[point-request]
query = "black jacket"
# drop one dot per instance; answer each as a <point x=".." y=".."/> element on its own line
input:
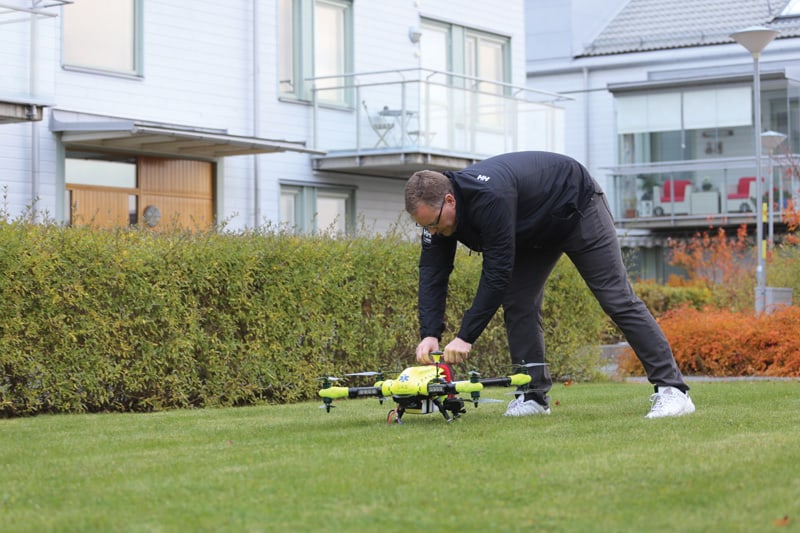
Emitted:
<point x="505" y="203"/>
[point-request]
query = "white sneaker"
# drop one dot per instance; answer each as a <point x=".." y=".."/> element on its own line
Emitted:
<point x="519" y="407"/>
<point x="669" y="401"/>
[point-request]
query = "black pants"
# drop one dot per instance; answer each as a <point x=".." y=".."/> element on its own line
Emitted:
<point x="594" y="250"/>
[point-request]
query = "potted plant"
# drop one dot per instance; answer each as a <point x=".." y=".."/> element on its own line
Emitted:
<point x="649" y="182"/>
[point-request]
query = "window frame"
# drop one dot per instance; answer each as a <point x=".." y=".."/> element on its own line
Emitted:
<point x="302" y="39"/>
<point x="304" y="197"/>
<point x="136" y="70"/>
<point x="458" y="36"/>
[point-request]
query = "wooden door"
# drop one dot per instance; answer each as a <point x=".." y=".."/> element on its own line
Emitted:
<point x="179" y="193"/>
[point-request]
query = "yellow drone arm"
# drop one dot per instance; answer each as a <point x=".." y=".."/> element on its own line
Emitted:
<point x="334" y="393"/>
<point x="468" y="386"/>
<point x="519" y="380"/>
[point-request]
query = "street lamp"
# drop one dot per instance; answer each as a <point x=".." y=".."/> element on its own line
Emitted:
<point x="755" y="39"/>
<point x="771" y="140"/>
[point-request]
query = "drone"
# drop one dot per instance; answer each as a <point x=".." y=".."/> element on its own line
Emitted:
<point x="424" y="389"/>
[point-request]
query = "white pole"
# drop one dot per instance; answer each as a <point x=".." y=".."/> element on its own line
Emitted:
<point x="761" y="268"/>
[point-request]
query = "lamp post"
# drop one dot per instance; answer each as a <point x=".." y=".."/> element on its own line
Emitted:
<point x="755" y="39"/>
<point x="771" y="140"/>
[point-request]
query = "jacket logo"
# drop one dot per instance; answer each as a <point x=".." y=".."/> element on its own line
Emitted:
<point x="426" y="236"/>
<point x="481" y="177"/>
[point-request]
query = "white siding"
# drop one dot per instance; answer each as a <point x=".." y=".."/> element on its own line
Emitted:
<point x="198" y="71"/>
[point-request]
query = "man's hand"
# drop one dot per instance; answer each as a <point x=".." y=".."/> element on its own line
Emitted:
<point x="456" y="351"/>
<point x="424" y="349"/>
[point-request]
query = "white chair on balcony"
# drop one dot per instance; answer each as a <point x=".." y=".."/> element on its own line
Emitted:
<point x="380" y="125"/>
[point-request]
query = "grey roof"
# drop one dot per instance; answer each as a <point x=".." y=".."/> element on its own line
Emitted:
<point x="645" y="25"/>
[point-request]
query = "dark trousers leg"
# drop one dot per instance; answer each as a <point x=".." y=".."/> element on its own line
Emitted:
<point x="522" y="314"/>
<point x="594" y="249"/>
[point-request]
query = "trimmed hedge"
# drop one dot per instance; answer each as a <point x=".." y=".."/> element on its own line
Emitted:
<point x="661" y="298"/>
<point x="130" y="320"/>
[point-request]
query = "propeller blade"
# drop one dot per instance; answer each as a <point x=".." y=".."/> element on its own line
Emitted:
<point x="530" y="365"/>
<point x="518" y="392"/>
<point x="363" y="374"/>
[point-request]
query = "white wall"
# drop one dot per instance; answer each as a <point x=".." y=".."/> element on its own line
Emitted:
<point x="199" y="71"/>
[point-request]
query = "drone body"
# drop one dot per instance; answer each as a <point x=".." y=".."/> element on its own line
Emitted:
<point x="423" y="390"/>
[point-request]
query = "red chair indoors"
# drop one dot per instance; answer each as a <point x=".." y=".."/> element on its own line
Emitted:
<point x="665" y="203"/>
<point x="743" y="199"/>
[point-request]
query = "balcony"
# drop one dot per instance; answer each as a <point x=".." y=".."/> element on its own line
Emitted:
<point x="19" y="86"/>
<point x="393" y="123"/>
<point x="701" y="193"/>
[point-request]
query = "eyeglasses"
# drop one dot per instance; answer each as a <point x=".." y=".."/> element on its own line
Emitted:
<point x="435" y="222"/>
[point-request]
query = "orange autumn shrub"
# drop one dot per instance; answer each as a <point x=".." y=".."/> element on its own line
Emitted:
<point x="713" y="342"/>
<point x="720" y="262"/>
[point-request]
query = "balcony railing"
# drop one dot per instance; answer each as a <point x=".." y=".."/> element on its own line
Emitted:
<point x="701" y="192"/>
<point x="432" y="111"/>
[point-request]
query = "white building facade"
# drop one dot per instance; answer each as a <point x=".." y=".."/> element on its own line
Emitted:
<point x="662" y="101"/>
<point x="299" y="114"/>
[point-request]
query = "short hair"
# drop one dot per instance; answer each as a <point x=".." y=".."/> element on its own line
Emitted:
<point x="426" y="187"/>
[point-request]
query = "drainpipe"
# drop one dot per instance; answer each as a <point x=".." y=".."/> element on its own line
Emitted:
<point x="33" y="89"/>
<point x="586" y="107"/>
<point x="256" y="118"/>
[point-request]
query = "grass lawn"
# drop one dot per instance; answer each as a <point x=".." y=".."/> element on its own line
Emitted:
<point x="595" y="464"/>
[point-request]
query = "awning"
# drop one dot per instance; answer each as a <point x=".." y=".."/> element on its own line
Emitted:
<point x="81" y="131"/>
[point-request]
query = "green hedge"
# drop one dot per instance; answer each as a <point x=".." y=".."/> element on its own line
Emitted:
<point x="661" y="298"/>
<point x="129" y="320"/>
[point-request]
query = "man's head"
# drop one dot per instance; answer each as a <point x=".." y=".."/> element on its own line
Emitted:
<point x="430" y="201"/>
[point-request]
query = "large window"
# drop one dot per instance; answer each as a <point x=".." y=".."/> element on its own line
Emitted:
<point x="327" y="210"/>
<point x="103" y="35"/>
<point x="480" y="62"/>
<point x="461" y="50"/>
<point x="315" y="41"/>
<point x="699" y="139"/>
<point x="684" y="125"/>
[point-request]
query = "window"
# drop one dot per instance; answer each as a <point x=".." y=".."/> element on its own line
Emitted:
<point x="327" y="210"/>
<point x="103" y="35"/>
<point x="101" y="193"/>
<point x="684" y="125"/>
<point x="465" y="51"/>
<point x="315" y="41"/>
<point x="482" y="58"/>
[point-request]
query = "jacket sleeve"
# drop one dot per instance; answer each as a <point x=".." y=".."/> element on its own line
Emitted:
<point x="496" y="217"/>
<point x="435" y="265"/>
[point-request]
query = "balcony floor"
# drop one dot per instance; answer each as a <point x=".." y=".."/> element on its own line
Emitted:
<point x="397" y="163"/>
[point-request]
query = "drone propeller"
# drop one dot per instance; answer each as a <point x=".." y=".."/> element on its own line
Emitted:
<point x="370" y="373"/>
<point x="523" y="390"/>
<point x="529" y="365"/>
<point x="488" y="400"/>
<point x="326" y="384"/>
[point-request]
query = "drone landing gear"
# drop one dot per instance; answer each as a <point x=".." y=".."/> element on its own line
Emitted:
<point x="453" y="405"/>
<point x="451" y="409"/>
<point x="395" y="416"/>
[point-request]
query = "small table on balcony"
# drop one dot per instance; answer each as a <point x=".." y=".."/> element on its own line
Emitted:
<point x="402" y="118"/>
